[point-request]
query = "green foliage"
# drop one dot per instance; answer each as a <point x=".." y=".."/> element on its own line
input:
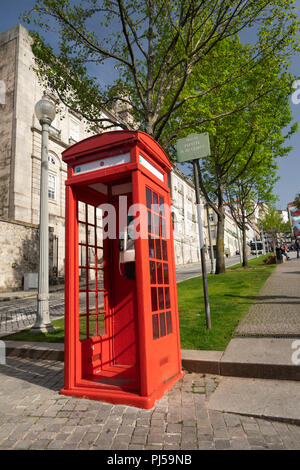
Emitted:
<point x="272" y="222"/>
<point x="297" y="200"/>
<point x="154" y="46"/>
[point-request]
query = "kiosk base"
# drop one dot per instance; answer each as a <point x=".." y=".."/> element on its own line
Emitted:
<point x="115" y="395"/>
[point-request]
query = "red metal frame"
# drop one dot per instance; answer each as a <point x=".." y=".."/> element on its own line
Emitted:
<point x="137" y="359"/>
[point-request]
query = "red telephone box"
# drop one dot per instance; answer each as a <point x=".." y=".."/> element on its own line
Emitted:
<point x="122" y="340"/>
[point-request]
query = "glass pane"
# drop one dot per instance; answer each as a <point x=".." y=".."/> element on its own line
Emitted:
<point x="82" y="279"/>
<point x="151" y="247"/>
<point x="92" y="302"/>
<point x="92" y="325"/>
<point x="155" y="199"/>
<point x="148" y="198"/>
<point x="157" y="248"/>
<point x="82" y="328"/>
<point x="149" y="222"/>
<point x="152" y="273"/>
<point x="99" y="217"/>
<point x="159" y="273"/>
<point x="162" y="227"/>
<point x="82" y="233"/>
<point x="100" y="280"/>
<point x="82" y="302"/>
<point x="164" y="250"/>
<point x="161" y="302"/>
<point x="169" y="323"/>
<point x="156" y="225"/>
<point x="154" y="299"/>
<point x="91" y="235"/>
<point x="101" y="325"/>
<point x="99" y="257"/>
<point x="166" y="273"/>
<point x="161" y="205"/>
<point x="167" y="297"/>
<point x="162" y="325"/>
<point x="81" y="211"/>
<point x="82" y="255"/>
<point x="91" y="214"/>
<point x="91" y="280"/>
<point x="155" y="326"/>
<point x="91" y="256"/>
<point x="99" y="235"/>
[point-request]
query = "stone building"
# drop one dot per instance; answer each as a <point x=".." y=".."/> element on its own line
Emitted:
<point x="20" y="150"/>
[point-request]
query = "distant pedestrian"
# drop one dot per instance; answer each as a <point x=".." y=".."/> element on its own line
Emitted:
<point x="297" y="248"/>
<point x="227" y="253"/>
<point x="284" y="251"/>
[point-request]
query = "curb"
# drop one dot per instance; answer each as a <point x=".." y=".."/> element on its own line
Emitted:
<point x="204" y="362"/>
<point x="39" y="351"/>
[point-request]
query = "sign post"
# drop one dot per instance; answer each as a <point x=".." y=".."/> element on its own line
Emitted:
<point x="193" y="147"/>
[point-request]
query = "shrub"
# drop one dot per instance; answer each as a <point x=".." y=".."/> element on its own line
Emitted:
<point x="271" y="259"/>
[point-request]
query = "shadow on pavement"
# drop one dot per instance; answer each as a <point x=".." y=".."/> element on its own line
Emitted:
<point x="263" y="298"/>
<point x="46" y="374"/>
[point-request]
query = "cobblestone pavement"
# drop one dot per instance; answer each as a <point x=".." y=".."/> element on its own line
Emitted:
<point x="276" y="311"/>
<point x="34" y="416"/>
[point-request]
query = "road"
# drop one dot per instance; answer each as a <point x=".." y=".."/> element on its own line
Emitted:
<point x="193" y="270"/>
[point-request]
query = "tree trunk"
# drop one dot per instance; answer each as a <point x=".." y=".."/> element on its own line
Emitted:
<point x="245" y="254"/>
<point x="220" y="259"/>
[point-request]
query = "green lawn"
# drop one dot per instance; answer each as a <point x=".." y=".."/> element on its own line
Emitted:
<point x="230" y="295"/>
<point x="57" y="337"/>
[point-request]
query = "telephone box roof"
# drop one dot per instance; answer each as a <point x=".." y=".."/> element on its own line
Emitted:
<point x="115" y="139"/>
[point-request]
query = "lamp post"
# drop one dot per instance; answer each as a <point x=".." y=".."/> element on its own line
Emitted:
<point x="45" y="112"/>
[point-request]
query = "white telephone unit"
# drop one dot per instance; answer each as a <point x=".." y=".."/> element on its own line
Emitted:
<point x="127" y="251"/>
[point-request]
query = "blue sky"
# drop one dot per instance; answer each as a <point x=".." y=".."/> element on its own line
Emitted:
<point x="289" y="167"/>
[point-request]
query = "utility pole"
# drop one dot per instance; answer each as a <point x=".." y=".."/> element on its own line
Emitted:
<point x="191" y="148"/>
<point x="202" y="251"/>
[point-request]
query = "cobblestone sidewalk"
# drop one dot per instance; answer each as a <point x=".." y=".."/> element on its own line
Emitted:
<point x="276" y="311"/>
<point x="34" y="416"/>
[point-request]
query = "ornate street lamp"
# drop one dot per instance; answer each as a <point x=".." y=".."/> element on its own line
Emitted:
<point x="45" y="112"/>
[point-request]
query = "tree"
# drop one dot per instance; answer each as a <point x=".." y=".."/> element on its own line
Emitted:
<point x="154" y="46"/>
<point x="246" y="140"/>
<point x="273" y="224"/>
<point x="297" y="200"/>
<point x="246" y="196"/>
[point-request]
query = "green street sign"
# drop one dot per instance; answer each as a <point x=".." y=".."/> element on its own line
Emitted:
<point x="193" y="146"/>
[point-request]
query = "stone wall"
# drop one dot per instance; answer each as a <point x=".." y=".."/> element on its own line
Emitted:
<point x="8" y="47"/>
<point x="18" y="252"/>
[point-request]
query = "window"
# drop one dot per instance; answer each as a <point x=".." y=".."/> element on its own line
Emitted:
<point x="159" y="266"/>
<point x="51" y="186"/>
<point x="74" y="130"/>
<point x="92" y="295"/>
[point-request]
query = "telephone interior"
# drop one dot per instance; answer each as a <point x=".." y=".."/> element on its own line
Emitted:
<point x="127" y="251"/>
